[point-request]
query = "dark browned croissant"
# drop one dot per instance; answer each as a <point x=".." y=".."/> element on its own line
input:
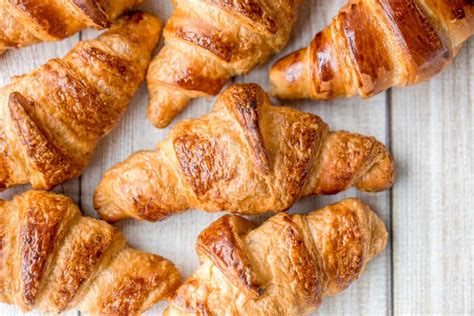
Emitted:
<point x="26" y="22"/>
<point x="52" y="118"/>
<point x="54" y="259"/>
<point x="247" y="157"/>
<point x="373" y="45"/>
<point x="208" y="42"/>
<point x="284" y="267"/>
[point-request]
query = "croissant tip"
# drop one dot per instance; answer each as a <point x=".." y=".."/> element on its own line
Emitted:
<point x="164" y="105"/>
<point x="381" y="176"/>
<point x="102" y="206"/>
<point x="289" y="76"/>
<point x="157" y="119"/>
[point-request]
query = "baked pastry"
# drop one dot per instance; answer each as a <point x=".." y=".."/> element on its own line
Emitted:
<point x="54" y="259"/>
<point x="246" y="157"/>
<point x="207" y="43"/>
<point x="23" y="23"/>
<point x="284" y="267"/>
<point x="52" y="118"/>
<point x="371" y="46"/>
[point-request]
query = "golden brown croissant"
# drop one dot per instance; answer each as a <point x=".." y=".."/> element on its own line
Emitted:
<point x="374" y="45"/>
<point x="54" y="259"/>
<point x="247" y="157"/>
<point x="210" y="41"/>
<point x="284" y="267"/>
<point x="23" y="23"/>
<point x="52" y="119"/>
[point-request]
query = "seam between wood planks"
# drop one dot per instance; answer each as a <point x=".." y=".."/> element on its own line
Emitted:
<point x="388" y="104"/>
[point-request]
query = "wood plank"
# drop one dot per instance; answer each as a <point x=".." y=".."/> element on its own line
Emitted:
<point x="20" y="62"/>
<point x="433" y="216"/>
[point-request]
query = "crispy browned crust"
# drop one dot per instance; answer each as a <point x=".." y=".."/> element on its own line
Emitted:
<point x="230" y="36"/>
<point x="26" y="22"/>
<point x="53" y="259"/>
<point x="297" y="260"/>
<point x="94" y="11"/>
<point x="373" y="45"/>
<point x="53" y="117"/>
<point x="222" y="242"/>
<point x="247" y="157"/>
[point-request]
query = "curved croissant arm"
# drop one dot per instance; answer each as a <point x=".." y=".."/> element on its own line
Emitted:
<point x="247" y="157"/>
<point x="284" y="267"/>
<point x="23" y="23"/>
<point x="54" y="259"/>
<point x="373" y="45"/>
<point x="208" y="42"/>
<point x="52" y="118"/>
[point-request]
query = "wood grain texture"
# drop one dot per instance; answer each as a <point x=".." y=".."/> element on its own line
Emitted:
<point x="430" y="129"/>
<point x="433" y="142"/>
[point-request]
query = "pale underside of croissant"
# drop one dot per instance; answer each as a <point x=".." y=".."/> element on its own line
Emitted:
<point x="54" y="259"/>
<point x="373" y="45"/>
<point x="210" y="41"/>
<point x="247" y="157"/>
<point x="23" y="23"/>
<point x="52" y="118"/>
<point x="284" y="267"/>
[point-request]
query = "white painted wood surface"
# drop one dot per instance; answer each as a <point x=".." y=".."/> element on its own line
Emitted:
<point x="428" y="265"/>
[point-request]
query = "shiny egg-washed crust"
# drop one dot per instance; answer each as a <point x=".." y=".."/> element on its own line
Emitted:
<point x="54" y="259"/>
<point x="207" y="42"/>
<point x="26" y="22"/>
<point x="373" y="45"/>
<point x="52" y="118"/>
<point x="246" y="157"/>
<point x="284" y="267"/>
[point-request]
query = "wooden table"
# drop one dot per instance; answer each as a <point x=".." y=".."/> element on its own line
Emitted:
<point x="428" y="266"/>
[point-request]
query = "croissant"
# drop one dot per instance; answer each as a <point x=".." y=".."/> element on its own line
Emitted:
<point x="207" y="43"/>
<point x="372" y="46"/>
<point x="54" y="259"/>
<point x="23" y="23"/>
<point x="246" y="157"/>
<point x="52" y="119"/>
<point x="284" y="267"/>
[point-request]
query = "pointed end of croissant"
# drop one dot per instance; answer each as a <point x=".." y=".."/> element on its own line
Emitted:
<point x="381" y="176"/>
<point x="290" y="78"/>
<point x="131" y="284"/>
<point x="132" y="189"/>
<point x="164" y="105"/>
<point x="106" y="207"/>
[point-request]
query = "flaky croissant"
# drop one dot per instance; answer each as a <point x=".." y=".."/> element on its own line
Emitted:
<point x="374" y="45"/>
<point x="284" y="267"/>
<point x="23" y="23"/>
<point x="246" y="157"/>
<point x="208" y="42"/>
<point x="54" y="259"/>
<point x="52" y="119"/>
